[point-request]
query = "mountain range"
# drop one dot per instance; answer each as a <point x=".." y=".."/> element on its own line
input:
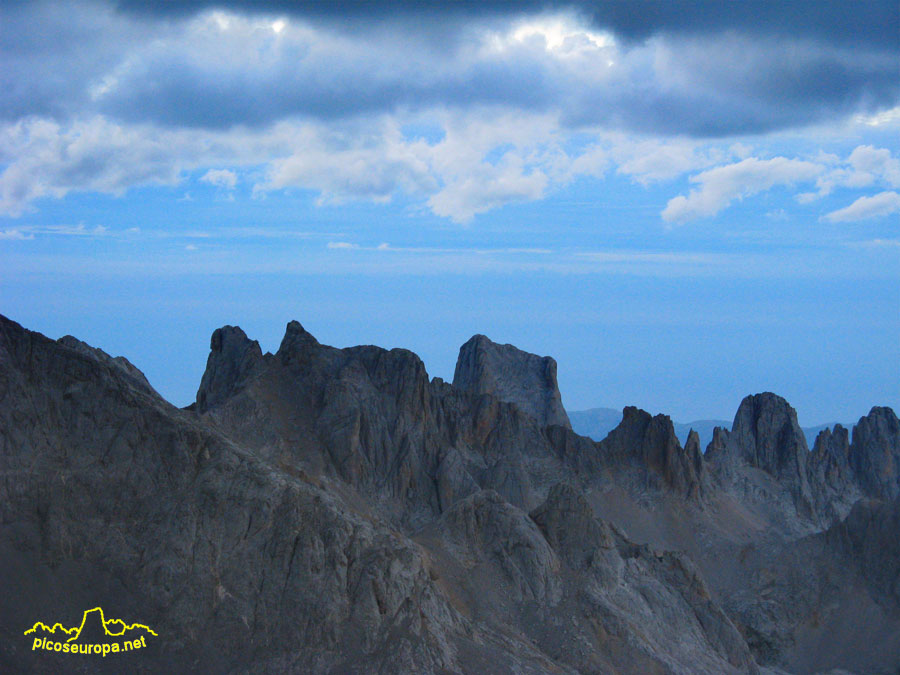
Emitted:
<point x="325" y="510"/>
<point x="596" y="423"/>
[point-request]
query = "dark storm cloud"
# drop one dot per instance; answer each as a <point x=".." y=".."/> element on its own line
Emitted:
<point x="173" y="91"/>
<point x="715" y="68"/>
<point x="48" y="54"/>
<point x="738" y="85"/>
<point x="873" y="22"/>
<point x="724" y="86"/>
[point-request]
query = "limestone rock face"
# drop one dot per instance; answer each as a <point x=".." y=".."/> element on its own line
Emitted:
<point x="122" y="500"/>
<point x="568" y="523"/>
<point x="487" y="528"/>
<point x="120" y="363"/>
<point x="868" y="537"/>
<point x="875" y="454"/>
<point x="510" y="374"/>
<point x="831" y="477"/>
<point x="650" y="443"/>
<point x="812" y="596"/>
<point x="841" y="472"/>
<point x="765" y="436"/>
<point x="333" y="510"/>
<point x="233" y="360"/>
<point x="632" y="596"/>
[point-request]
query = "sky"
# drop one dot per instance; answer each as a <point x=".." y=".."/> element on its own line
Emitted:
<point x="682" y="202"/>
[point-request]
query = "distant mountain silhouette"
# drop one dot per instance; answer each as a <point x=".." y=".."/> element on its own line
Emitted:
<point x="596" y="423"/>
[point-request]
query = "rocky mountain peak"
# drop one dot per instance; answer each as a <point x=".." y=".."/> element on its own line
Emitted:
<point x="512" y="375"/>
<point x="296" y="340"/>
<point x="233" y="359"/>
<point x="831" y="477"/>
<point x="337" y="511"/>
<point x="831" y="451"/>
<point x="767" y="435"/>
<point x="716" y="447"/>
<point x="875" y="453"/>
<point x="119" y="363"/>
<point x="650" y="442"/>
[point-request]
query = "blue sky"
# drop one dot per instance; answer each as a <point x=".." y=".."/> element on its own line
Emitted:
<point x="683" y="203"/>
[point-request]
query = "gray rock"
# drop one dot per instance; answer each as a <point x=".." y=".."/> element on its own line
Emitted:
<point x="831" y="476"/>
<point x="510" y="374"/>
<point x="765" y="435"/>
<point x="485" y="527"/>
<point x="121" y="365"/>
<point x="233" y="360"/>
<point x="875" y="453"/>
<point x="650" y="445"/>
<point x="334" y="510"/>
<point x="113" y="497"/>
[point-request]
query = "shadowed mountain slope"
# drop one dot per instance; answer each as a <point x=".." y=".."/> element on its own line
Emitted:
<point x="334" y="510"/>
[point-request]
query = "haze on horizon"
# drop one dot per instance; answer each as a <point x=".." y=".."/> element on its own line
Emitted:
<point x="682" y="202"/>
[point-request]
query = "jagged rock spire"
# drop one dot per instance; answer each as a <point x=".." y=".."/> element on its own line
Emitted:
<point x="233" y="358"/>
<point x="513" y="375"/>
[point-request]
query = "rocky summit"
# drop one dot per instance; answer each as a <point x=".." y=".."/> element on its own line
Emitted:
<point x="324" y="510"/>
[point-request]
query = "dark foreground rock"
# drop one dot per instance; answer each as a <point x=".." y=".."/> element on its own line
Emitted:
<point x="335" y="510"/>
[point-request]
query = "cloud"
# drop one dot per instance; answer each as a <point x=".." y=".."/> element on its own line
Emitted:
<point x="880" y="119"/>
<point x="221" y="178"/>
<point x="80" y="230"/>
<point x="653" y="160"/>
<point x="488" y="189"/>
<point x="875" y="243"/>
<point x="15" y="235"/>
<point x="881" y="205"/>
<point x="48" y="160"/>
<point x="352" y="164"/>
<point x="484" y="160"/>
<point x="864" y="167"/>
<point x="726" y="70"/>
<point x="341" y="245"/>
<point x="481" y="160"/>
<point x="833" y="20"/>
<point x="722" y="185"/>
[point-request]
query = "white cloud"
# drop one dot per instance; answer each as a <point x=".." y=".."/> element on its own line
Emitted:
<point x="221" y="178"/>
<point x="873" y="164"/>
<point x="352" y="164"/>
<point x="880" y="119"/>
<point x="482" y="160"/>
<point x="95" y="155"/>
<point x="16" y="235"/>
<point x="875" y="243"/>
<point x="881" y="205"/>
<point x="488" y="189"/>
<point x="80" y="230"/>
<point x="722" y="185"/>
<point x="342" y="245"/>
<point x="864" y="167"/>
<point x="654" y="159"/>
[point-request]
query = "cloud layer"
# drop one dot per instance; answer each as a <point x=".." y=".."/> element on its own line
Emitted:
<point x="466" y="106"/>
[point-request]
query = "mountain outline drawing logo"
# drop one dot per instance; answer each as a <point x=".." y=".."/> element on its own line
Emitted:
<point x="94" y="635"/>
